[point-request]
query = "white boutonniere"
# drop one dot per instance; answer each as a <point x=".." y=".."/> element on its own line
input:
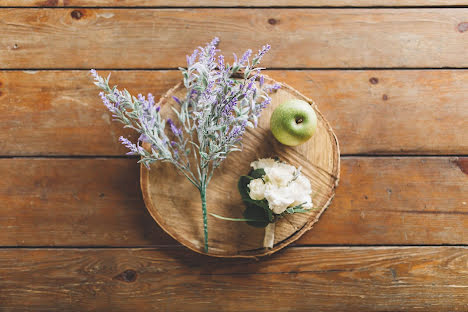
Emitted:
<point x="272" y="190"/>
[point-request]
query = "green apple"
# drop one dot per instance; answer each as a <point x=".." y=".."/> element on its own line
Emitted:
<point x="293" y="122"/>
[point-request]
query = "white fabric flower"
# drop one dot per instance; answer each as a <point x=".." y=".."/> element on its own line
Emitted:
<point x="263" y="163"/>
<point x="280" y="174"/>
<point x="277" y="172"/>
<point x="279" y="198"/>
<point x="257" y="189"/>
<point x="302" y="191"/>
<point x="283" y="187"/>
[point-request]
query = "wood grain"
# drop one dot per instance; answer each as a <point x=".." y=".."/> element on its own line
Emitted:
<point x="79" y="202"/>
<point x="319" y="159"/>
<point x="301" y="38"/>
<point x="97" y="202"/>
<point x="372" y="112"/>
<point x="227" y="3"/>
<point x="297" y="279"/>
<point x="393" y="201"/>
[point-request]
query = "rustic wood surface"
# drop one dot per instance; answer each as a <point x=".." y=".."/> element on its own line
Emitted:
<point x="226" y="3"/>
<point x="297" y="279"/>
<point x="75" y="234"/>
<point x="151" y="38"/>
<point x="371" y="111"/>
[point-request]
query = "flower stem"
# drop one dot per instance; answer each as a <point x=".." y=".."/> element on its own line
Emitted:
<point x="205" y="218"/>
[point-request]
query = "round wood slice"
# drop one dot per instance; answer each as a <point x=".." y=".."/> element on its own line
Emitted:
<point x="176" y="206"/>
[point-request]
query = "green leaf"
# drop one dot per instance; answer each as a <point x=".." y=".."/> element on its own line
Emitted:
<point x="268" y="212"/>
<point x="255" y="209"/>
<point x="256" y="213"/>
<point x="301" y="210"/>
<point x="295" y="209"/>
<point x="243" y="188"/>
<point x="257" y="173"/>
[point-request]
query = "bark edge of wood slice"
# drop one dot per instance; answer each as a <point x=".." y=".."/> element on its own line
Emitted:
<point x="175" y="203"/>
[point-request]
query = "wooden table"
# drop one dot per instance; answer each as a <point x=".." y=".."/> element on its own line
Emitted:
<point x="392" y="81"/>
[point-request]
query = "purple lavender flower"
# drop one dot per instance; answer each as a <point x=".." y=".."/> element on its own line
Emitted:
<point x="94" y="74"/>
<point x="143" y="102"/>
<point x="214" y="42"/>
<point x="208" y="91"/>
<point x="177" y="100"/>
<point x="193" y="94"/>
<point x="265" y="103"/>
<point x="272" y="88"/>
<point x="134" y="150"/>
<point x="117" y="98"/>
<point x="143" y="138"/>
<point x="177" y="132"/>
<point x="237" y="132"/>
<point x="191" y="59"/>
<point x="228" y="107"/>
<point x="262" y="81"/>
<point x="245" y="57"/>
<point x="158" y="109"/>
<point x="221" y="62"/>
<point x="150" y="99"/>
<point x="210" y="51"/>
<point x="261" y="53"/>
<point x="107" y="103"/>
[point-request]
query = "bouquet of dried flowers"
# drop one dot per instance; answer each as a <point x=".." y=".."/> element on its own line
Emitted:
<point x="221" y="101"/>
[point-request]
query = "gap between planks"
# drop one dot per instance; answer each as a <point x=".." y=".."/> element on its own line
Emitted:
<point x="349" y="7"/>
<point x="175" y="247"/>
<point x="136" y="157"/>
<point x="156" y="69"/>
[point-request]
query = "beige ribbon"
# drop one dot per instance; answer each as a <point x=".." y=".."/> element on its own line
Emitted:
<point x="269" y="238"/>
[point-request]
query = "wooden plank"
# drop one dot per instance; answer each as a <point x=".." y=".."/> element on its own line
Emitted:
<point x="160" y="38"/>
<point x="63" y="108"/>
<point x="81" y="202"/>
<point x="397" y="201"/>
<point x="299" y="279"/>
<point x="226" y="3"/>
<point x="372" y="112"/>
<point x="97" y="202"/>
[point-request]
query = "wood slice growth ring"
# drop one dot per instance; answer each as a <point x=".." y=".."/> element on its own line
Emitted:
<point x="176" y="206"/>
